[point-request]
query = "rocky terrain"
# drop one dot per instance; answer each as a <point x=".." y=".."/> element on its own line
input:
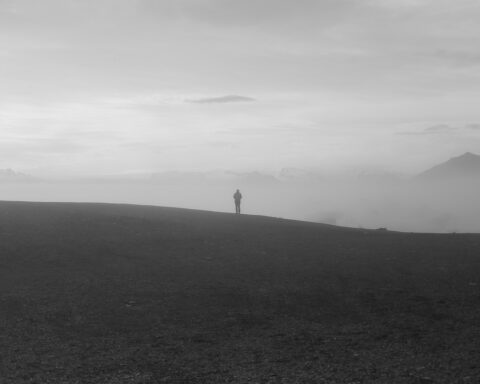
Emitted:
<point x="97" y="293"/>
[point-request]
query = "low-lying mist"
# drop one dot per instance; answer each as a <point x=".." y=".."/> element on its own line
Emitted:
<point x="403" y="205"/>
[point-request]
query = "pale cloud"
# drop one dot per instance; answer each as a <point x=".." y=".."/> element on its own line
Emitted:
<point x="222" y="99"/>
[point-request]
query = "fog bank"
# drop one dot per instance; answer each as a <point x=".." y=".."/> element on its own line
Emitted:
<point x="403" y="205"/>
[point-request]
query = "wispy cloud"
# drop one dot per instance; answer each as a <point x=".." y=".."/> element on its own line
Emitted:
<point x="473" y="126"/>
<point x="433" y="130"/>
<point x="222" y="144"/>
<point x="222" y="99"/>
<point x="464" y="58"/>
<point x="439" y="128"/>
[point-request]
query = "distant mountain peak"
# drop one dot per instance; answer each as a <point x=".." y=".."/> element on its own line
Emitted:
<point x="466" y="155"/>
<point x="466" y="166"/>
<point x="466" y="158"/>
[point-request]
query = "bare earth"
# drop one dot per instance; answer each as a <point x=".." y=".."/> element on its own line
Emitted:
<point x="97" y="293"/>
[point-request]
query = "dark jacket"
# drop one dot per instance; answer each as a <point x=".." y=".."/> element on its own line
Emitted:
<point x="237" y="196"/>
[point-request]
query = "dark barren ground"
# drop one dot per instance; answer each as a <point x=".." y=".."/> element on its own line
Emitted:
<point x="94" y="293"/>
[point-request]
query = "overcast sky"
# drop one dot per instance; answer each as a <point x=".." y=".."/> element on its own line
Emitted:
<point x="117" y="86"/>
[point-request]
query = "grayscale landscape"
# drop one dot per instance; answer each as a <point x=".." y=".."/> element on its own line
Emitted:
<point x="239" y="191"/>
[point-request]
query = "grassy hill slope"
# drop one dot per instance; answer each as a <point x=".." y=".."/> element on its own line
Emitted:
<point x="103" y="293"/>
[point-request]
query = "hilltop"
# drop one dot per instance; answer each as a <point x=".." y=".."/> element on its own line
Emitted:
<point x="103" y="293"/>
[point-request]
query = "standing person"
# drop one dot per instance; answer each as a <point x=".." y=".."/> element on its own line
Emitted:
<point x="238" y="198"/>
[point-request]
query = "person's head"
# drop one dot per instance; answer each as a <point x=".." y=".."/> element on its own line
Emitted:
<point x="238" y="190"/>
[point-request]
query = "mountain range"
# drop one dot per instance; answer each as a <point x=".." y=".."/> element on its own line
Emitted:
<point x="464" y="167"/>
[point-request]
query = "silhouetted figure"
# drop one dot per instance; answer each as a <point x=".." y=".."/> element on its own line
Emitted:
<point x="238" y="198"/>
